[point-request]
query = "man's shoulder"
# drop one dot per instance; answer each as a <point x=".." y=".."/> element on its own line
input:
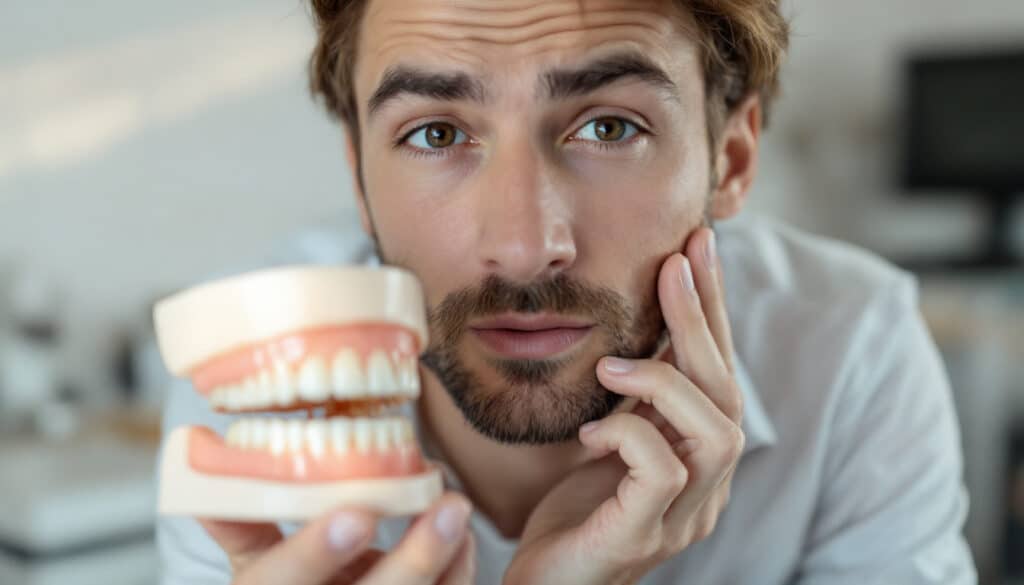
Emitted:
<point x="847" y="375"/>
<point x="767" y="258"/>
<point x="808" y="311"/>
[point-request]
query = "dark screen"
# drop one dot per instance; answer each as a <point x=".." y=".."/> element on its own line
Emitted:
<point x="966" y="122"/>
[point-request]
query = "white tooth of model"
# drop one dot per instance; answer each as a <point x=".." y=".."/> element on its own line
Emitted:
<point x="277" y="439"/>
<point x="259" y="433"/>
<point x="231" y="437"/>
<point x="347" y="374"/>
<point x="316" y="433"/>
<point x="410" y="376"/>
<point x="341" y="431"/>
<point x="382" y="436"/>
<point x="233" y="397"/>
<point x="313" y="379"/>
<point x="380" y="376"/>
<point x="264" y="395"/>
<point x="284" y="384"/>
<point x="295" y="436"/>
<point x="363" y="435"/>
<point x="397" y="433"/>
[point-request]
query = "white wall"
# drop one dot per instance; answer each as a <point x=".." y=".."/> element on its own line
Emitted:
<point x="144" y="145"/>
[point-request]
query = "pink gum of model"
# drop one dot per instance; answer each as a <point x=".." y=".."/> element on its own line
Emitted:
<point x="340" y="340"/>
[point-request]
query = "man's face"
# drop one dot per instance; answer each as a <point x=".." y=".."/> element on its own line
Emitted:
<point x="533" y="164"/>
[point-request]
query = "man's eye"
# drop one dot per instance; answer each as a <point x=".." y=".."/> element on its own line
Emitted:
<point x="607" y="129"/>
<point x="435" y="135"/>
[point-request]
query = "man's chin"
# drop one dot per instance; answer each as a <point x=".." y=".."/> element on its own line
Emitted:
<point x="539" y="373"/>
<point x="524" y="401"/>
<point x="537" y="415"/>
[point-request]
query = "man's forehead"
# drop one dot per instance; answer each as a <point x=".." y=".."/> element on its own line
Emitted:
<point x="506" y="19"/>
<point x="524" y="41"/>
<point x="552" y="84"/>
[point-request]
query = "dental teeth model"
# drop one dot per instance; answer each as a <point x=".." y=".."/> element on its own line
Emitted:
<point x="341" y="340"/>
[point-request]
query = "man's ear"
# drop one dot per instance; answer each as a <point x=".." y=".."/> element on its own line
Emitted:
<point x="736" y="159"/>
<point x="357" y="184"/>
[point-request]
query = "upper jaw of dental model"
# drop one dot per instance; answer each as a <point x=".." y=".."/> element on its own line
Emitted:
<point x="316" y="381"/>
<point x="299" y="337"/>
<point x="351" y="369"/>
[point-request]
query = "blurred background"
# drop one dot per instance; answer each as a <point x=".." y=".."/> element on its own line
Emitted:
<point x="144" y="147"/>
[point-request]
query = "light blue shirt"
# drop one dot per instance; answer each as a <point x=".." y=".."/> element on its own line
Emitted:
<point x="852" y="469"/>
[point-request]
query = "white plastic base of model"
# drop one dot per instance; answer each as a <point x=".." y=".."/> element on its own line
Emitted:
<point x="187" y="492"/>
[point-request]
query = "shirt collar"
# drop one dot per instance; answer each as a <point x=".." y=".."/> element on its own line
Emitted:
<point x="758" y="429"/>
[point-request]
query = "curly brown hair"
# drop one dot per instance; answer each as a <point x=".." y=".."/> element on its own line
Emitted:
<point x="743" y="44"/>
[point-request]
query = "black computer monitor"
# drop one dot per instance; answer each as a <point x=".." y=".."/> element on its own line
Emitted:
<point x="965" y="131"/>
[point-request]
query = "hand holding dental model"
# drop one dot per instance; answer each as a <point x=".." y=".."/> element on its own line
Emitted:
<point x="658" y="476"/>
<point x="345" y="340"/>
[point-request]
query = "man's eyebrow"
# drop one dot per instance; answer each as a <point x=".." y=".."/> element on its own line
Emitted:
<point x="404" y="80"/>
<point x="566" y="83"/>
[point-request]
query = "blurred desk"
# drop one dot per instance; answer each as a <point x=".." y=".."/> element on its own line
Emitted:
<point x="78" y="510"/>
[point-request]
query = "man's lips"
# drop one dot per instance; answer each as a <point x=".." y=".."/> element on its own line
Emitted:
<point x="517" y="336"/>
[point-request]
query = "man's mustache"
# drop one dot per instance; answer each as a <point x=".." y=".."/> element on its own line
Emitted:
<point x="560" y="294"/>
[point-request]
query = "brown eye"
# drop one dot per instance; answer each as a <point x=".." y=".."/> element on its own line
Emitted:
<point x="609" y="129"/>
<point x="440" y="135"/>
<point x="607" y="132"/>
<point x="435" y="138"/>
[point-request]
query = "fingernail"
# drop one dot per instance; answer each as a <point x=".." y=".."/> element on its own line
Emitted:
<point x="686" y="275"/>
<point x="346" y="531"/>
<point x="616" y="365"/>
<point x="589" y="427"/>
<point x="709" y="252"/>
<point x="450" y="521"/>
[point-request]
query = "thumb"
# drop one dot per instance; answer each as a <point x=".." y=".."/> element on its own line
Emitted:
<point x="462" y="571"/>
<point x="311" y="556"/>
<point x="241" y="541"/>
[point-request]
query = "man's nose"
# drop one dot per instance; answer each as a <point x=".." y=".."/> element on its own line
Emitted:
<point x="525" y="220"/>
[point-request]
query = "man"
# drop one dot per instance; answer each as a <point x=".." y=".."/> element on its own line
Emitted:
<point x="619" y="395"/>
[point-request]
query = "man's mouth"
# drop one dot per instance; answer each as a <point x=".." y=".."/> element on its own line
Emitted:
<point x="530" y="336"/>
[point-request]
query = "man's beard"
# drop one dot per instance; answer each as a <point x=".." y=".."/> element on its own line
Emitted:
<point x="529" y="407"/>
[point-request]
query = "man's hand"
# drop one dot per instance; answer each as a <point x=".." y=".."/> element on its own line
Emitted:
<point x="659" y="476"/>
<point x="335" y="549"/>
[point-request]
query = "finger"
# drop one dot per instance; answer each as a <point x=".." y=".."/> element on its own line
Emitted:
<point x="428" y="548"/>
<point x="655" y="477"/>
<point x="353" y="571"/>
<point x="690" y="411"/>
<point x="689" y="516"/>
<point x="694" y="349"/>
<point x="463" y="569"/>
<point x="649" y="412"/>
<point x="707" y="448"/>
<point x="241" y="541"/>
<point x="716" y="467"/>
<point x="706" y="266"/>
<point x="314" y="553"/>
<point x="680" y="445"/>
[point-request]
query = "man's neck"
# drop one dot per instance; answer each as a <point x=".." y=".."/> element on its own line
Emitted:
<point x="505" y="482"/>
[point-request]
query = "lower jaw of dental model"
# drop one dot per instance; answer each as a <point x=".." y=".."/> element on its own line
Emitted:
<point x="285" y="468"/>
